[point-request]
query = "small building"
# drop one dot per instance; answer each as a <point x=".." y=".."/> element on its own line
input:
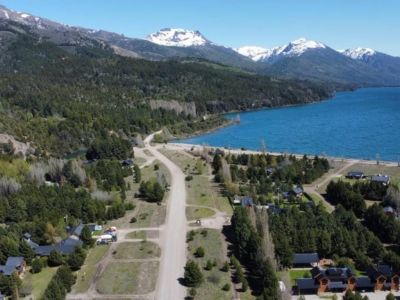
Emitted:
<point x="245" y="201"/>
<point x="27" y="238"/>
<point x="305" y="259"/>
<point x="389" y="210"/>
<point x="297" y="192"/>
<point x="383" y="179"/>
<point x="355" y="175"/>
<point x="274" y="209"/>
<point x="127" y="163"/>
<point x="13" y="264"/>
<point x="269" y="171"/>
<point x="94" y="227"/>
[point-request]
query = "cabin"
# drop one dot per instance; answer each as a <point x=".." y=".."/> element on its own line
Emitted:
<point x="297" y="192"/>
<point x="13" y="264"/>
<point x="384" y="278"/>
<point x="301" y="260"/>
<point x="355" y="175"/>
<point x="383" y="179"/>
<point x="327" y="280"/>
<point x="335" y="279"/>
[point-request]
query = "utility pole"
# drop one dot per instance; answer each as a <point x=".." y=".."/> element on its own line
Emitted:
<point x="263" y="147"/>
<point x="377" y="159"/>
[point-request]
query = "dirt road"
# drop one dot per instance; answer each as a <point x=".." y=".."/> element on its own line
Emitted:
<point x="173" y="237"/>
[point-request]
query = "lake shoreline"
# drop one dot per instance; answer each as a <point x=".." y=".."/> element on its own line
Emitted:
<point x="345" y="126"/>
<point x="189" y="147"/>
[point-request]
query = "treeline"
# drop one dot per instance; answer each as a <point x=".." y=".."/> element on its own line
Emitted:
<point x="63" y="101"/>
<point x="336" y="235"/>
<point x="250" y="249"/>
<point x="352" y="196"/>
<point x="385" y="226"/>
<point x="60" y="284"/>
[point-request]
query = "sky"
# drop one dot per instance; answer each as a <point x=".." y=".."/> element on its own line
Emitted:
<point x="341" y="24"/>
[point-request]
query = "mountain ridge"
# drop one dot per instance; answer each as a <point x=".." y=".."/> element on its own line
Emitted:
<point x="308" y="59"/>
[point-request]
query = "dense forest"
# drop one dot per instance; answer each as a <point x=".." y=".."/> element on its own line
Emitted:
<point x="62" y="100"/>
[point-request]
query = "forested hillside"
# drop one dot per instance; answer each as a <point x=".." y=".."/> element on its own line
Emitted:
<point x="62" y="97"/>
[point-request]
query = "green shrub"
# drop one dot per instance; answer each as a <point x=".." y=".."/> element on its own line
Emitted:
<point x="199" y="252"/>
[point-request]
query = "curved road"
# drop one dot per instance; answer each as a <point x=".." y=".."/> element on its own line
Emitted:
<point x="173" y="235"/>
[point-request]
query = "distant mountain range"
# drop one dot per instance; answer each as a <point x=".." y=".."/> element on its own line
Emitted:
<point x="300" y="59"/>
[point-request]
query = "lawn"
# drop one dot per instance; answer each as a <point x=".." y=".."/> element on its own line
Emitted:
<point x="194" y="213"/>
<point x="38" y="282"/>
<point x="88" y="270"/>
<point x="211" y="241"/>
<point x="137" y="250"/>
<point x="298" y="273"/>
<point x="128" y="278"/>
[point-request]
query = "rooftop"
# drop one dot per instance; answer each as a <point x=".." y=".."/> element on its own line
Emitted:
<point x="305" y="258"/>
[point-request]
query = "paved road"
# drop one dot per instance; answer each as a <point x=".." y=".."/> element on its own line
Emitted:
<point x="173" y="236"/>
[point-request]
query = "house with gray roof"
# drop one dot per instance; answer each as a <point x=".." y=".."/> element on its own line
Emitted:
<point x="13" y="264"/>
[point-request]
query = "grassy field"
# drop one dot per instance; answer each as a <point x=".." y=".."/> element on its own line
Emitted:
<point x="137" y="250"/>
<point x="200" y="190"/>
<point x="211" y="241"/>
<point x="194" y="213"/>
<point x="86" y="273"/>
<point x="128" y="278"/>
<point x="38" y="282"/>
<point x="149" y="215"/>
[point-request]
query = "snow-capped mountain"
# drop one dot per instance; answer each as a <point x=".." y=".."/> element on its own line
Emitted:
<point x="359" y="53"/>
<point x="254" y="52"/>
<point x="295" y="48"/>
<point x="178" y="37"/>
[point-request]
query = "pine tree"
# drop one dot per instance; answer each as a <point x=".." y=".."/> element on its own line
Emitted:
<point x="271" y="285"/>
<point x="138" y="174"/>
<point x="55" y="259"/>
<point x="86" y="236"/>
<point x="192" y="276"/>
<point x="390" y="296"/>
<point x="65" y="277"/>
<point x="26" y="251"/>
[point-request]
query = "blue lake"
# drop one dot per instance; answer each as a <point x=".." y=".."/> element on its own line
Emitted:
<point x="359" y="124"/>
